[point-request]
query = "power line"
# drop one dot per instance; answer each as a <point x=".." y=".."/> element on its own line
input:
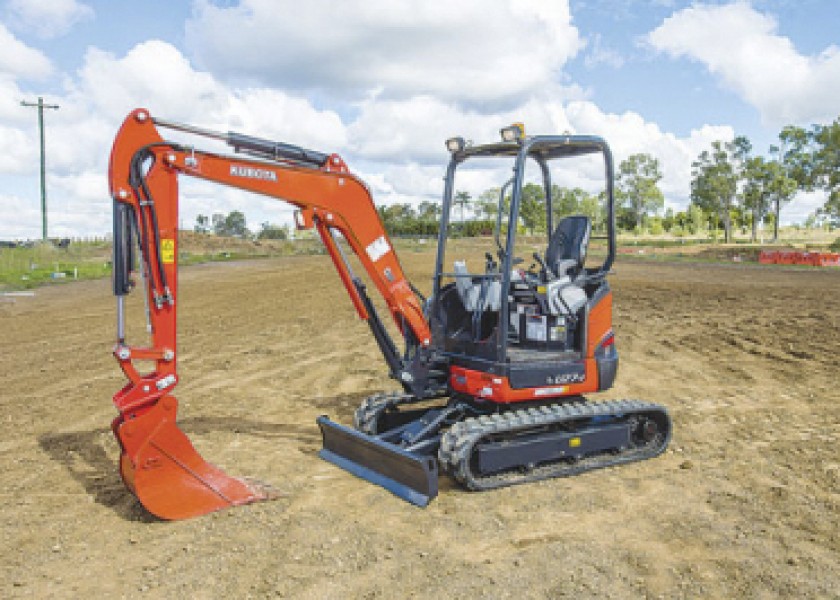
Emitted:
<point x="41" y="106"/>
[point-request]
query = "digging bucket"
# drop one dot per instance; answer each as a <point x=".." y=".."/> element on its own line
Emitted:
<point x="166" y="473"/>
<point x="412" y="477"/>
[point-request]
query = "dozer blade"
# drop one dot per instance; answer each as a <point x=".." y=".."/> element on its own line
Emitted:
<point x="413" y="478"/>
<point x="166" y="473"/>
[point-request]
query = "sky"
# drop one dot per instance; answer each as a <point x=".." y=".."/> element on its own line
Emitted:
<point x="385" y="82"/>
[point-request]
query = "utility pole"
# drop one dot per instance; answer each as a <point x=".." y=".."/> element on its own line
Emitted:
<point x="41" y="106"/>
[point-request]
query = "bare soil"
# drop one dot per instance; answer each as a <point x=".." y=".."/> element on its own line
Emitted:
<point x="745" y="504"/>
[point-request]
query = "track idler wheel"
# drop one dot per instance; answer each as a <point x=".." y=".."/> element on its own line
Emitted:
<point x="645" y="431"/>
<point x="166" y="473"/>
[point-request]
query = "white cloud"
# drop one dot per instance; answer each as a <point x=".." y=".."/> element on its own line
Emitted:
<point x="480" y="51"/>
<point x="600" y="54"/>
<point x="11" y="95"/>
<point x="276" y="115"/>
<point x="742" y="48"/>
<point x="154" y="75"/>
<point x="415" y="129"/>
<point x="48" y="18"/>
<point x="17" y="150"/>
<point x="20" y="219"/>
<point x="405" y="138"/>
<point x="19" y="60"/>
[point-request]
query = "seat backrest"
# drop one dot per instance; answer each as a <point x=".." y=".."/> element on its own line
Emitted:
<point x="485" y="295"/>
<point x="568" y="244"/>
<point x="464" y="284"/>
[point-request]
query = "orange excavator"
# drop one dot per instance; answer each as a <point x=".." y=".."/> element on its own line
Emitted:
<point x="495" y="363"/>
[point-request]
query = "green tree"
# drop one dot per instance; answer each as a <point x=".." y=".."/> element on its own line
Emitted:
<point x="202" y="224"/>
<point x="532" y="210"/>
<point x="233" y="225"/>
<point x="655" y="225"/>
<point x="795" y="152"/>
<point x="462" y="200"/>
<point x="397" y="217"/>
<point x="782" y="190"/>
<point x="714" y="182"/>
<point x="638" y="187"/>
<point x="488" y="203"/>
<point x="428" y="211"/>
<point x="565" y="201"/>
<point x="669" y="220"/>
<point x="695" y="219"/>
<point x="826" y="166"/>
<point x="576" y="201"/>
<point x="273" y="232"/>
<point x="755" y="193"/>
<point x="796" y="156"/>
<point x="594" y="207"/>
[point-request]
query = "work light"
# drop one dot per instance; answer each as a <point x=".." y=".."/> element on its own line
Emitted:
<point x="513" y="133"/>
<point x="455" y="144"/>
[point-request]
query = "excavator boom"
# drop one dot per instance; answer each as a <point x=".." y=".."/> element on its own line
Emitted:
<point x="158" y="462"/>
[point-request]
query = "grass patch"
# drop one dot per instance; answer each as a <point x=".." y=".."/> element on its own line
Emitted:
<point x="43" y="263"/>
<point x="30" y="266"/>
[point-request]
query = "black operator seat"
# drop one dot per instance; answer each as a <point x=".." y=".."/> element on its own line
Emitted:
<point x="564" y="260"/>
<point x="567" y="247"/>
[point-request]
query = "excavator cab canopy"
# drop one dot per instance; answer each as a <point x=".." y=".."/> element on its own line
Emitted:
<point x="478" y="304"/>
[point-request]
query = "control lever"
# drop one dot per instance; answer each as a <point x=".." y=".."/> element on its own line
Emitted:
<point x="544" y="268"/>
<point x="491" y="263"/>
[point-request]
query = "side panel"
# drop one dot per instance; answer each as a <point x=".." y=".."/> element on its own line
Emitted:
<point x="496" y="388"/>
<point x="600" y="323"/>
<point x="601" y="342"/>
<point x="537" y="381"/>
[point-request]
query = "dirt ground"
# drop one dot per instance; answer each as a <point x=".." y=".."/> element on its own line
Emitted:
<point x="745" y="504"/>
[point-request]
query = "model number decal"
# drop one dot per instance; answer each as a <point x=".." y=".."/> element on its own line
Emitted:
<point x="565" y="378"/>
<point x="253" y="173"/>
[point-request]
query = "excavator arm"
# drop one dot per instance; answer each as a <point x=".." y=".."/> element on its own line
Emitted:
<point x="158" y="463"/>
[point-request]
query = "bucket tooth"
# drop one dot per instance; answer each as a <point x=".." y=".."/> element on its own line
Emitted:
<point x="412" y="477"/>
<point x="167" y="474"/>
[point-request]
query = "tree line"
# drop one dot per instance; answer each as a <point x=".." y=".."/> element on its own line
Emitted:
<point x="234" y="224"/>
<point x="728" y="179"/>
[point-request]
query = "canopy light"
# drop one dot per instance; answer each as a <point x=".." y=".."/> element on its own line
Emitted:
<point x="513" y="133"/>
<point x="455" y="144"/>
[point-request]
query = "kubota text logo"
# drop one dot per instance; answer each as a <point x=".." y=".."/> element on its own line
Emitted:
<point x="253" y="173"/>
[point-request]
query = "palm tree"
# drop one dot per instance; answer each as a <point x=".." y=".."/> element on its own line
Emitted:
<point x="462" y="199"/>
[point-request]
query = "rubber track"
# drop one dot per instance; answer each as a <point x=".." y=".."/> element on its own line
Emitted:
<point x="458" y="444"/>
<point x="366" y="416"/>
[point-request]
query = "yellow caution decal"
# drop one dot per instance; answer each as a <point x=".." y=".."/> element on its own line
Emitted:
<point x="167" y="251"/>
<point x="574" y="442"/>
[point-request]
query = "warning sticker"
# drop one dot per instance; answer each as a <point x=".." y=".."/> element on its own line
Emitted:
<point x="167" y="251"/>
<point x="378" y="248"/>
